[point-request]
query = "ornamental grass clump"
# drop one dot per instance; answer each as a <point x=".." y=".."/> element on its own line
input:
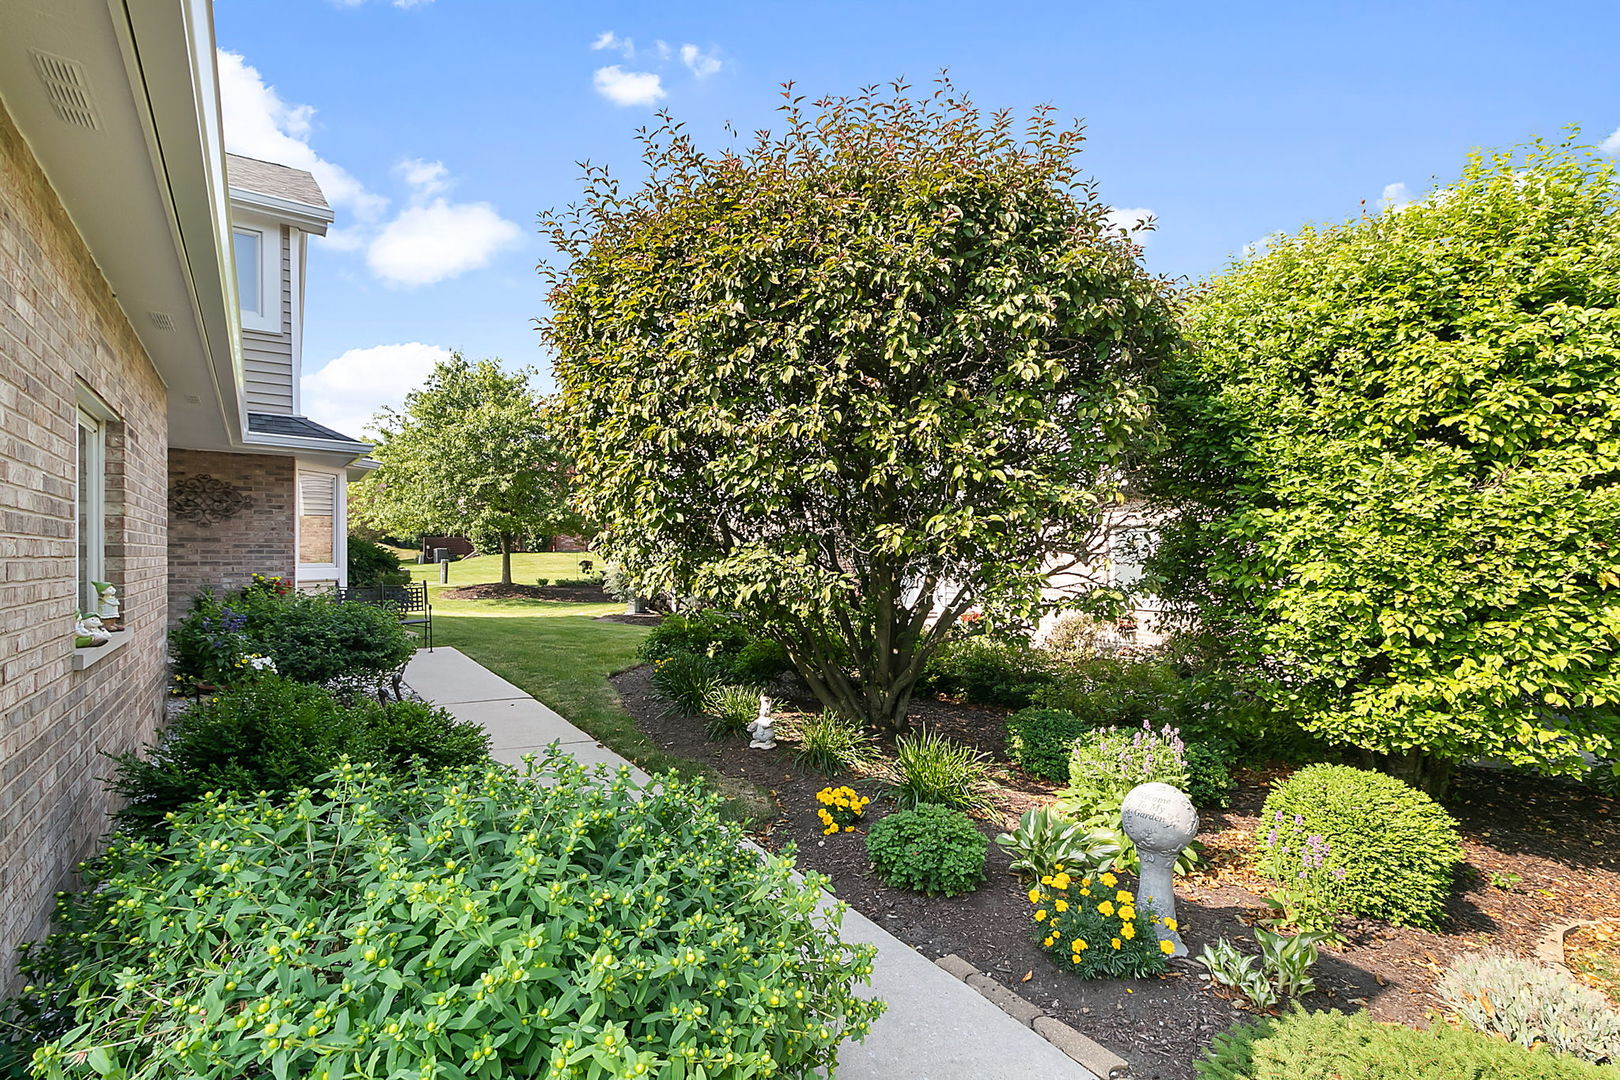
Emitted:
<point x="930" y="768"/>
<point x="828" y="743"/>
<point x="1364" y="842"/>
<point x="685" y="681"/>
<point x="931" y="849"/>
<point x="481" y="924"/>
<point x="840" y="809"/>
<point x="1096" y="929"/>
<point x="730" y="709"/>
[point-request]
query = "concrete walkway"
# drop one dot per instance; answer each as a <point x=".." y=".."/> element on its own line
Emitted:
<point x="936" y="1027"/>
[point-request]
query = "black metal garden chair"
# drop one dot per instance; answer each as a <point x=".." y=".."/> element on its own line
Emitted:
<point x="409" y="602"/>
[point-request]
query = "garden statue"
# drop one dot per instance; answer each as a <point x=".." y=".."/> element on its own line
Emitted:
<point x="1160" y="821"/>
<point x="106" y="600"/>
<point x="88" y="632"/>
<point x="760" y="730"/>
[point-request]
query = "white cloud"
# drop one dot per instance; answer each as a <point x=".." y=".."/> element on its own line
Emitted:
<point x="1611" y="145"/>
<point x="426" y="178"/>
<point x="1260" y="247"/>
<point x="259" y="124"/>
<point x="1136" y="220"/>
<point x="609" y="40"/>
<point x="663" y="49"/>
<point x="1395" y="196"/>
<point x="629" y="87"/>
<point x="435" y="240"/>
<point x="348" y="390"/>
<point x="703" y="64"/>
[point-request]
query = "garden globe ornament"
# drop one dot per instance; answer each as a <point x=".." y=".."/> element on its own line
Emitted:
<point x="760" y="730"/>
<point x="1161" y="821"/>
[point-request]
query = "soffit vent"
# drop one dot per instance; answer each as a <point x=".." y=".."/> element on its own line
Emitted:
<point x="68" y="87"/>
<point x="161" y="319"/>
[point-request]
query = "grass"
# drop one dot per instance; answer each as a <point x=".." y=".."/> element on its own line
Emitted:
<point x="526" y="567"/>
<point x="562" y="655"/>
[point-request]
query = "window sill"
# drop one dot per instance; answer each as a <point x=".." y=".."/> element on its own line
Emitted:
<point x="83" y="658"/>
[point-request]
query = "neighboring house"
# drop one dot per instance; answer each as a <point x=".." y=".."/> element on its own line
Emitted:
<point x="151" y="311"/>
<point x="1115" y="562"/>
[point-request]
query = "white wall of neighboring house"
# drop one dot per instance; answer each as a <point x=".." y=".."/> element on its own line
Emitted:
<point x="1117" y="564"/>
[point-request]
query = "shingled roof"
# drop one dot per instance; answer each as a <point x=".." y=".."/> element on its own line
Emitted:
<point x="268" y="178"/>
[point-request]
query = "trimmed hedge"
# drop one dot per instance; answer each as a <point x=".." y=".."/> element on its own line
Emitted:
<point x="1391" y="851"/>
<point x="1341" y="1046"/>
<point x="487" y="923"/>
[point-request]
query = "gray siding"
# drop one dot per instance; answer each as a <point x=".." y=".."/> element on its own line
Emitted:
<point x="268" y="358"/>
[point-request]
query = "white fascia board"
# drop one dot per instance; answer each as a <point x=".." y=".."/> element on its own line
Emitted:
<point x="306" y="216"/>
<point x="348" y="451"/>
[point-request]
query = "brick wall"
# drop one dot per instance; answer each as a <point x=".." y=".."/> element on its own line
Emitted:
<point x="59" y="327"/>
<point x="224" y="554"/>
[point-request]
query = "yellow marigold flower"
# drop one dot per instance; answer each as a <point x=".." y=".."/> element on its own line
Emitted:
<point x="1060" y="881"/>
<point x="1079" y="945"/>
<point x="1167" y="947"/>
<point x="1127" y="913"/>
<point x="1034" y="896"/>
<point x="1085" y="892"/>
<point x="849" y="828"/>
<point x="1061" y="904"/>
<point x="1046" y="879"/>
<point x="1108" y="879"/>
<point x="1128" y="931"/>
<point x="1122" y="896"/>
<point x="1040" y="916"/>
<point x="1115" y="943"/>
<point x="1105" y="908"/>
<point x="1049" y="939"/>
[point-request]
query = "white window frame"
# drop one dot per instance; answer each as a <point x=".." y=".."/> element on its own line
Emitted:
<point x="90" y="495"/>
<point x="268" y="318"/>
<point x="338" y="570"/>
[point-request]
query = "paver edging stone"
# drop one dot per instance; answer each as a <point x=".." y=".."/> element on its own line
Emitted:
<point x="1103" y="1062"/>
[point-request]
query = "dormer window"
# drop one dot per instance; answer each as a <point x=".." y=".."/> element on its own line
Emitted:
<point x="257" y="250"/>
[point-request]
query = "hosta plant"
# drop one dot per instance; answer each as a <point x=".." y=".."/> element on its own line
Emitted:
<point x="1229" y="967"/>
<point x="1096" y="928"/>
<point x="1044" y="843"/>
<point x="479" y="924"/>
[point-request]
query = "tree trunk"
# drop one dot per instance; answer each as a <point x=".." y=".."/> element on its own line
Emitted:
<point x="1425" y="772"/>
<point x="506" y="558"/>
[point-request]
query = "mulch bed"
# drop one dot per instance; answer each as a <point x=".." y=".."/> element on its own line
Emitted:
<point x="571" y="594"/>
<point x="1552" y="849"/>
<point x="649" y="619"/>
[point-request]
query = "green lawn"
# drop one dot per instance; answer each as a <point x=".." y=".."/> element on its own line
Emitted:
<point x="563" y="656"/>
<point x="526" y="567"/>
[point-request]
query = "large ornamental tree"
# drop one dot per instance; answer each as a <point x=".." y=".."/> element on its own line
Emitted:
<point x="1395" y="469"/>
<point x="471" y="451"/>
<point x="856" y="378"/>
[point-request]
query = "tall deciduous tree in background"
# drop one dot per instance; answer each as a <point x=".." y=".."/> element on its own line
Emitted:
<point x="1395" y="458"/>
<point x="855" y="379"/>
<point x="470" y="451"/>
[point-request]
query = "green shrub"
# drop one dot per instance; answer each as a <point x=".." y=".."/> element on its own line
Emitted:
<point x="1094" y="929"/>
<point x="478" y="924"/>
<point x="1209" y="769"/>
<point x="685" y="681"/>
<point x="371" y="564"/>
<point x="1039" y="741"/>
<point x="759" y="662"/>
<point x="932" y="769"/>
<point x="1105" y="765"/>
<point x="730" y="709"/>
<point x="210" y="643"/>
<point x="1530" y="1003"/>
<point x="1113" y="692"/>
<point x="829" y="743"/>
<point x="981" y="671"/>
<point x="276" y="736"/>
<point x="724" y="639"/>
<point x="930" y="849"/>
<point x="314" y="638"/>
<point x="1389" y="850"/>
<point x="1339" y="1046"/>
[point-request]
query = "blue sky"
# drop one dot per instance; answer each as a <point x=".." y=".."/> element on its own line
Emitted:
<point x="441" y="128"/>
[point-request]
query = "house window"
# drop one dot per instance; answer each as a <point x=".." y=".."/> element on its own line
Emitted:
<point x="258" y="278"/>
<point x="91" y="494"/>
<point x="317" y="519"/>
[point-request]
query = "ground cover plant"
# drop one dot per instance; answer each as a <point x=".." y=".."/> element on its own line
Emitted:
<point x="1332" y="1045"/>
<point x="1532" y="1004"/>
<point x="846" y="418"/>
<point x="475" y="925"/>
<point x="1390" y="476"/>
<point x="274" y="736"/>
<point x="1360" y="842"/>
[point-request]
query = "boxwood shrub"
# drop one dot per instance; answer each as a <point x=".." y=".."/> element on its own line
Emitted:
<point x="480" y="924"/>
<point x="1374" y="845"/>
<point x="1039" y="741"/>
<point x="1352" y="1046"/>
<point x="932" y="849"/>
<point x="277" y="735"/>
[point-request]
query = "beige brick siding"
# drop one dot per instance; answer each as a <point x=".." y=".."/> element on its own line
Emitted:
<point x="227" y="553"/>
<point x="60" y="326"/>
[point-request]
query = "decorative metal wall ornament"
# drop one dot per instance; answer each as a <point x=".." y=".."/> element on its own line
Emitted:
<point x="208" y="501"/>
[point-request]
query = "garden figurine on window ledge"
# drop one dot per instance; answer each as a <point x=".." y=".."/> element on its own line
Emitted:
<point x="88" y="632"/>
<point x="106" y="603"/>
<point x="760" y="729"/>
